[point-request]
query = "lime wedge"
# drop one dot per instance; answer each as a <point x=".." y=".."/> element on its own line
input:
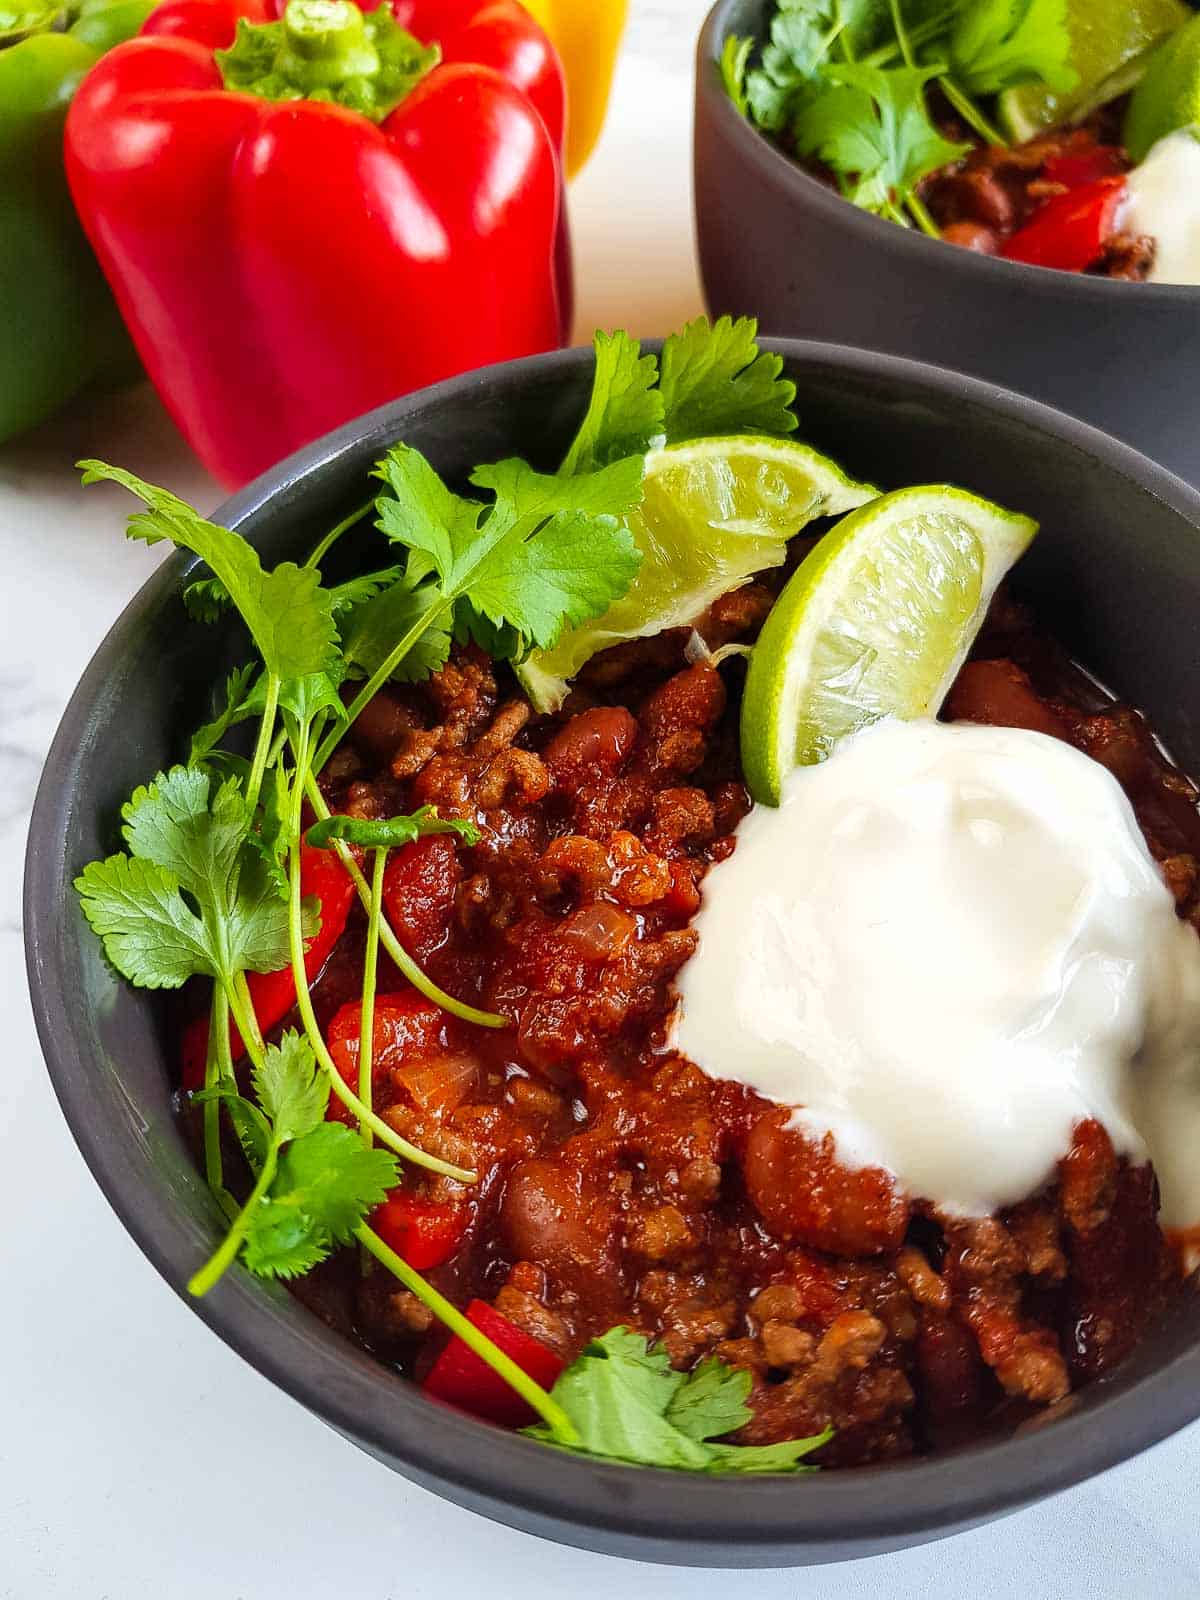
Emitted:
<point x="1109" y="42"/>
<point x="714" y="513"/>
<point x="875" y="622"/>
<point x="1168" y="97"/>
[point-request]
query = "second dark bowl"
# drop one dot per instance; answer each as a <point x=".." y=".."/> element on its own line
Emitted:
<point x="776" y="244"/>
<point x="1115" y="572"/>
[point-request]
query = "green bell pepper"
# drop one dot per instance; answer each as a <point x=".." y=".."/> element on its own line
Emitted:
<point x="60" y="330"/>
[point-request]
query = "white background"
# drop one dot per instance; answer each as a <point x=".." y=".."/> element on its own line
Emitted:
<point x="139" y="1458"/>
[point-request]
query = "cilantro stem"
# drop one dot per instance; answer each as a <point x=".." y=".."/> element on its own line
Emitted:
<point x="386" y="1134"/>
<point x="920" y="212"/>
<point x="377" y="680"/>
<point x="246" y="1019"/>
<point x="892" y="210"/>
<point x="366" y="1029"/>
<point x="226" y="1252"/>
<point x="322" y="549"/>
<point x="902" y="38"/>
<point x="262" y="747"/>
<point x="218" y="1064"/>
<point x="548" y="1409"/>
<point x="970" y="112"/>
<point x="919" y="33"/>
<point x="408" y="967"/>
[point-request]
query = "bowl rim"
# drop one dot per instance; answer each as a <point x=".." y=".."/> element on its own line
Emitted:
<point x="807" y="194"/>
<point x="391" y="1417"/>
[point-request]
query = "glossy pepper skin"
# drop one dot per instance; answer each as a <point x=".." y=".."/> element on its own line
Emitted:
<point x="1069" y="231"/>
<point x="59" y="328"/>
<point x="587" y="34"/>
<point x="284" y="265"/>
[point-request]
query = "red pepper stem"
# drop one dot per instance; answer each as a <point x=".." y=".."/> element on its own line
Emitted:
<point x="551" y="1413"/>
<point x="325" y="42"/>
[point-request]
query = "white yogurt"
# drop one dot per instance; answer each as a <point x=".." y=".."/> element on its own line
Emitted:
<point x="947" y="946"/>
<point x="1163" y="200"/>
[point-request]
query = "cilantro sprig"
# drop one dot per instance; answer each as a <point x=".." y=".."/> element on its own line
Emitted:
<point x="847" y="81"/>
<point x="209" y="882"/>
<point x="627" y="1403"/>
<point x="314" y="1181"/>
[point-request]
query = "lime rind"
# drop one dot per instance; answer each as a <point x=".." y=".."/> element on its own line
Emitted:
<point x="875" y="622"/>
<point x="1111" y="42"/>
<point x="714" y="513"/>
<point x="1168" y="97"/>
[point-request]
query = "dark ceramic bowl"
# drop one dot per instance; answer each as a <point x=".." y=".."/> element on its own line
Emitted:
<point x="1116" y="572"/>
<point x="778" y="245"/>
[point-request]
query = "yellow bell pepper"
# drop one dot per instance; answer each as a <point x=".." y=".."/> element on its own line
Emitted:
<point x="586" y="34"/>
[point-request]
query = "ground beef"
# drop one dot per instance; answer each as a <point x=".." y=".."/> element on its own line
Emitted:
<point x="619" y="1184"/>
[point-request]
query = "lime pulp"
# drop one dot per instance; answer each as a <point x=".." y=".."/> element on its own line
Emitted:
<point x="875" y="622"/>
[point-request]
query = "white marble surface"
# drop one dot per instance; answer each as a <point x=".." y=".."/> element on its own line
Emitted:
<point x="139" y="1458"/>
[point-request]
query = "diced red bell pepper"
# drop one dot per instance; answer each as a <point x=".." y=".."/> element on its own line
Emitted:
<point x="406" y="1026"/>
<point x="462" y="1379"/>
<point x="1074" y="168"/>
<point x="323" y="877"/>
<point x="422" y="1232"/>
<point x="418" y="893"/>
<point x="1070" y="231"/>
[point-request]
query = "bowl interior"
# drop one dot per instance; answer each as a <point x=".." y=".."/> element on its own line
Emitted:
<point x="1116" y="573"/>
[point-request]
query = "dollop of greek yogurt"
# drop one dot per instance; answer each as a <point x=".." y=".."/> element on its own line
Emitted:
<point x="946" y="947"/>
<point x="1163" y="201"/>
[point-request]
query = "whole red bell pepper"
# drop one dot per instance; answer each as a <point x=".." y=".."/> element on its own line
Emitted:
<point x="304" y="221"/>
<point x="1070" y="231"/>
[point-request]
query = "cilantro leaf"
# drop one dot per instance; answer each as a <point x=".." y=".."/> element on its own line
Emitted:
<point x="252" y="1128"/>
<point x="327" y="1182"/>
<point x="422" y="513"/>
<point x="270" y="839"/>
<point x="150" y="934"/>
<point x="624" y="414"/>
<point x="288" y="613"/>
<point x="616" y="1395"/>
<point x="172" y="823"/>
<point x="625" y="1402"/>
<point x="572" y="571"/>
<point x="711" y="1401"/>
<point x="236" y="709"/>
<point x="735" y="60"/>
<point x="373" y="628"/>
<point x="206" y="599"/>
<point x="716" y="380"/>
<point x="996" y="44"/>
<point x="387" y="832"/>
<point x="183" y="841"/>
<point x="874" y="131"/>
<point x="549" y="550"/>
<point x="291" y="1091"/>
<point x="315" y="1181"/>
<point x="786" y="1456"/>
<point x="346" y="596"/>
<point x="316" y="691"/>
<point x="804" y="36"/>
